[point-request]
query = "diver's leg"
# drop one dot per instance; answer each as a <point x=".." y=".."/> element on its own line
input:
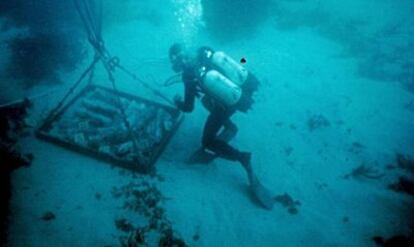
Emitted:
<point x="229" y="131"/>
<point x="215" y="121"/>
<point x="229" y="128"/>
<point x="212" y="145"/>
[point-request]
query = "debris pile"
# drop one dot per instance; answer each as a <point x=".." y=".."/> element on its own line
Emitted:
<point x="317" y="122"/>
<point x="364" y="171"/>
<point x="144" y="199"/>
<point x="48" y="216"/>
<point x="287" y="201"/>
<point x="405" y="163"/>
<point x="405" y="184"/>
<point x="356" y="148"/>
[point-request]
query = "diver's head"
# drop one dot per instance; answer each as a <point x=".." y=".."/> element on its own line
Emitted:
<point x="178" y="57"/>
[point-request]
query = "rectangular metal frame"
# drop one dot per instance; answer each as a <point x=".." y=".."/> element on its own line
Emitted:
<point x="42" y="133"/>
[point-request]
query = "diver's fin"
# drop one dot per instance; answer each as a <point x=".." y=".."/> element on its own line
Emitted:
<point x="201" y="157"/>
<point x="263" y="195"/>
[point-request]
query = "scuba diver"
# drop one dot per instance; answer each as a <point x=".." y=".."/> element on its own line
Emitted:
<point x="226" y="87"/>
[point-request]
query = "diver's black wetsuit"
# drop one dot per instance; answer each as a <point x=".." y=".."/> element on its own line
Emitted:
<point x="219" y="116"/>
<point x="193" y="71"/>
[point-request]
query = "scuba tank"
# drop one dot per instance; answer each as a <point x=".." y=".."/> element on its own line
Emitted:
<point x="230" y="68"/>
<point x="221" y="88"/>
<point x="223" y="78"/>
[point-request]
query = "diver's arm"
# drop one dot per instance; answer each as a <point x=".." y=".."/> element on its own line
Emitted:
<point x="189" y="97"/>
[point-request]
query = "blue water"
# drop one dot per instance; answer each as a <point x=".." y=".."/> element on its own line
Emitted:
<point x="332" y="115"/>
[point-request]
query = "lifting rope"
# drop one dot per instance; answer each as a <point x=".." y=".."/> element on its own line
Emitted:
<point x="93" y="28"/>
<point x="144" y="84"/>
<point x="87" y="9"/>
<point x="54" y="111"/>
<point x="121" y="108"/>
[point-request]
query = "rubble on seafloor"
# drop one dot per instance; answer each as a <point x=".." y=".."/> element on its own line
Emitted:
<point x="404" y="183"/>
<point x="288" y="202"/>
<point x="317" y="121"/>
<point x="143" y="198"/>
<point x="356" y="148"/>
<point x="48" y="216"/>
<point x="364" y="171"/>
<point x="405" y="162"/>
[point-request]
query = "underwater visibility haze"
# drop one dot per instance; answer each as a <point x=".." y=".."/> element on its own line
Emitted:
<point x="207" y="123"/>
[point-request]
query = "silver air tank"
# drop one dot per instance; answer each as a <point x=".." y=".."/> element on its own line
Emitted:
<point x="221" y="88"/>
<point x="231" y="69"/>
